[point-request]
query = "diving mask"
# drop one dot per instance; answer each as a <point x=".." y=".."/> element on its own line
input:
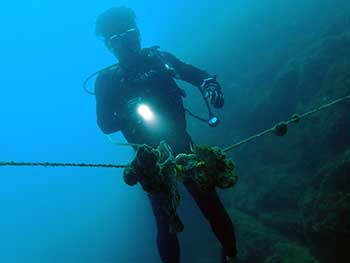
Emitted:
<point x="127" y="39"/>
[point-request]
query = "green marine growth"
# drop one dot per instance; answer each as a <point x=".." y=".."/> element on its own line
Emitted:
<point x="158" y="172"/>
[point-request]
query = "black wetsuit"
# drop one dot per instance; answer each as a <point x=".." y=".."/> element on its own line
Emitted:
<point x="151" y="81"/>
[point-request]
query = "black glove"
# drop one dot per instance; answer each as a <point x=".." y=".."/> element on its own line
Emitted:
<point x="212" y="91"/>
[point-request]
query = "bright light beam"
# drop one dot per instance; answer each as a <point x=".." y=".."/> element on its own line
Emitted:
<point x="145" y="112"/>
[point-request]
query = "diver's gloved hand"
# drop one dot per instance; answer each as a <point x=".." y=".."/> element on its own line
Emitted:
<point x="212" y="91"/>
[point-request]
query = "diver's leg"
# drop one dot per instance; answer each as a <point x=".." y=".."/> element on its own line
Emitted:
<point x="168" y="244"/>
<point x="213" y="209"/>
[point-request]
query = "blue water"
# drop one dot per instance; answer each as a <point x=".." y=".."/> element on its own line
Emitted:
<point x="47" y="50"/>
<point x="64" y="214"/>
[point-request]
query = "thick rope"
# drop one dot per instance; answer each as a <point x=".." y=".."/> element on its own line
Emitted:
<point x="295" y="118"/>
<point x="47" y="164"/>
<point x="236" y="145"/>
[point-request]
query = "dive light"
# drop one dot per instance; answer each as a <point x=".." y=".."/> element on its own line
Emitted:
<point x="145" y="112"/>
<point x="213" y="121"/>
<point x="142" y="109"/>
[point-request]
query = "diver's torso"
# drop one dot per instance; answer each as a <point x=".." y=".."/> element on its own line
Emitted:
<point x="149" y="83"/>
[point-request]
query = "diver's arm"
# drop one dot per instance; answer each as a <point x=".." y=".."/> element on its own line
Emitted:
<point x="197" y="77"/>
<point x="106" y="117"/>
<point x="186" y="71"/>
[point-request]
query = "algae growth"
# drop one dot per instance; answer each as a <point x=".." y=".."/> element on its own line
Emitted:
<point x="159" y="172"/>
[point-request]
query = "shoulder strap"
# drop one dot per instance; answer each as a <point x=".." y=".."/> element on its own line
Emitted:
<point x="155" y="52"/>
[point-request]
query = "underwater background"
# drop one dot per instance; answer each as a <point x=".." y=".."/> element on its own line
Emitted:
<point x="273" y="59"/>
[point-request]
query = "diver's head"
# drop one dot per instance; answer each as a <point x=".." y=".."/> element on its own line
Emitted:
<point x="118" y="29"/>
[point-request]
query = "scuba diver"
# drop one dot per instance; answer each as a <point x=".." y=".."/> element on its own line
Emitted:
<point x="139" y="97"/>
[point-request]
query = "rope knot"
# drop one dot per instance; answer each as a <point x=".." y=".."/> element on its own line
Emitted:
<point x="281" y="129"/>
<point x="296" y="118"/>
